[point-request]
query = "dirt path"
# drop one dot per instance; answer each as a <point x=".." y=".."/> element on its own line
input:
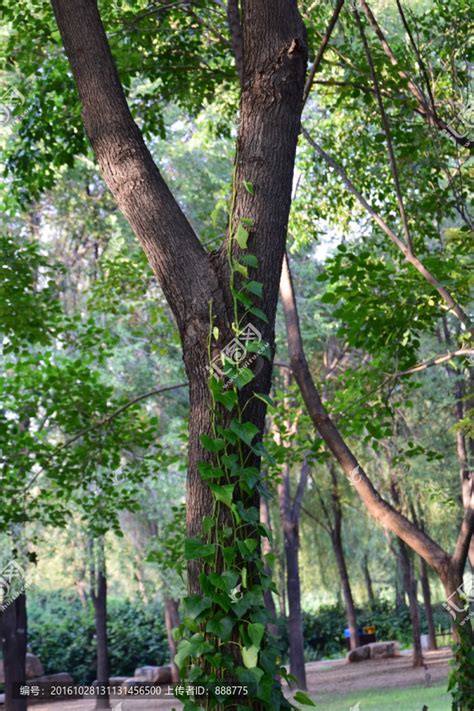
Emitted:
<point x="324" y="678"/>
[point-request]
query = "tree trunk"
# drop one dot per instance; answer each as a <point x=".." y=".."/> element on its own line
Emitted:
<point x="409" y="582"/>
<point x="425" y="586"/>
<point x="266" y="549"/>
<point x="14" y="640"/>
<point x="295" y="621"/>
<point x="336" y="538"/>
<point x="197" y="284"/>
<point x="346" y="586"/>
<point x="368" y="581"/>
<point x="291" y="545"/>
<point x="99" y="599"/>
<point x="172" y="621"/>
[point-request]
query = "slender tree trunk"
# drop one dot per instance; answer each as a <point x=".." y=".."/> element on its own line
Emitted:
<point x="282" y="587"/>
<point x="425" y="586"/>
<point x="410" y="589"/>
<point x="346" y="587"/>
<point x="172" y="621"/>
<point x="14" y="640"/>
<point x="336" y="538"/>
<point x="99" y="599"/>
<point x="266" y="549"/>
<point x="291" y="544"/>
<point x="368" y="581"/>
<point x="462" y="450"/>
<point x="141" y="582"/>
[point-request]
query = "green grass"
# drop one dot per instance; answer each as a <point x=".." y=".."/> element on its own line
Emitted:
<point x="435" y="698"/>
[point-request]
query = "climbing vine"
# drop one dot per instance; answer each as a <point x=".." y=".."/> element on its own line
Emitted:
<point x="224" y="648"/>
<point x="462" y="674"/>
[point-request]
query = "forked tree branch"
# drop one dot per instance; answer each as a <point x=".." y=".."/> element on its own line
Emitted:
<point x="426" y="110"/>
<point x="173" y="250"/>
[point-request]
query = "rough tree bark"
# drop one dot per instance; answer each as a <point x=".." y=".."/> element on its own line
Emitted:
<point x="13" y="625"/>
<point x="274" y="57"/>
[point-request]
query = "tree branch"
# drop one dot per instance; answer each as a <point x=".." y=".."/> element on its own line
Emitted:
<point x="102" y="422"/>
<point x="410" y="257"/>
<point x="436" y="360"/>
<point x="387" y="132"/>
<point x="174" y="252"/>
<point x="463" y="542"/>
<point x="431" y="116"/>
<point x="321" y="50"/>
<point x="237" y="40"/>
<point x="300" y="489"/>
<point x="378" y="508"/>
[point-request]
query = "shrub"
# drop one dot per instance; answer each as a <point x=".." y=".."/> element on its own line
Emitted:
<point x="61" y="632"/>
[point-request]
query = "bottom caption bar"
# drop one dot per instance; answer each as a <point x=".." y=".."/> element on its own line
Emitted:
<point x="51" y="691"/>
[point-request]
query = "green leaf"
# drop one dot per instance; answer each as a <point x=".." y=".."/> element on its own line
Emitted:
<point x="228" y="398"/>
<point x="244" y="299"/>
<point x="255" y="287"/>
<point x="207" y="471"/>
<point x="246" y="431"/>
<point x="249" y="259"/>
<point x="248" y="186"/>
<point x="215" y="333"/>
<point x="224" y="581"/>
<point x="194" y="549"/>
<point x="243" y="377"/>
<point x="251" y="544"/>
<point x="250" y="475"/>
<point x="240" y="268"/>
<point x="223" y="492"/>
<point x="184" y="651"/>
<point x="259" y="313"/>
<point x="194" y="605"/>
<point x="256" y="631"/>
<point x="250" y="656"/>
<point x="241" y="237"/>
<point x="267" y="400"/>
<point x="211" y="444"/>
<point x="303" y="698"/>
<point x="222" y="628"/>
<point x="208" y="523"/>
<point x="230" y="461"/>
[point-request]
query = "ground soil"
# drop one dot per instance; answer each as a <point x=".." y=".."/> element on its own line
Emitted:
<point x="324" y="678"/>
